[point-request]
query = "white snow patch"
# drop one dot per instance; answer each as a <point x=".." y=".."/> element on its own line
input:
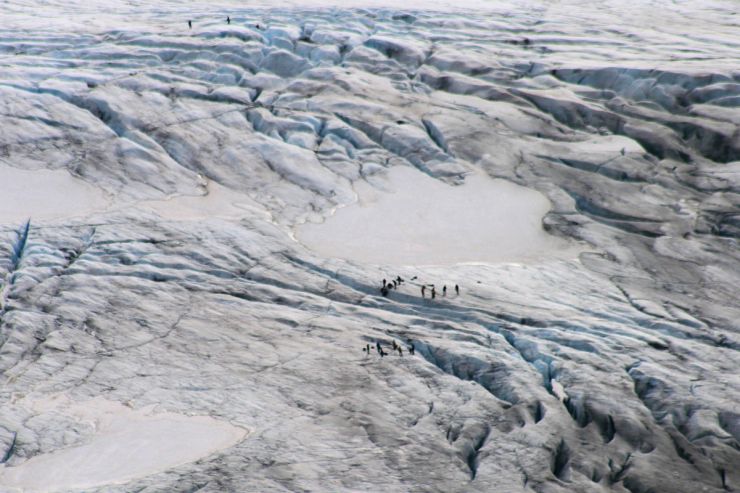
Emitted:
<point x="48" y="195"/>
<point x="45" y="195"/>
<point x="607" y="144"/>
<point x="219" y="202"/>
<point x="420" y="220"/>
<point x="126" y="444"/>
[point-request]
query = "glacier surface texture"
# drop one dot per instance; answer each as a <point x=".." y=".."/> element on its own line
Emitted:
<point x="196" y="224"/>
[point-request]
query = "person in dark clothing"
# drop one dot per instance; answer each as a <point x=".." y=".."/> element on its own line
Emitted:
<point x="384" y="291"/>
<point x="400" y="351"/>
<point x="190" y="24"/>
<point x="383" y="282"/>
<point x="228" y="20"/>
<point x="457" y="289"/>
<point x="399" y="279"/>
<point x="444" y="290"/>
<point x="393" y="343"/>
<point x="434" y="293"/>
<point x="411" y="348"/>
<point x="423" y="289"/>
<point x="377" y="346"/>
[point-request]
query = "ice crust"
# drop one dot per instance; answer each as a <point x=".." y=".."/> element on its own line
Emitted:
<point x="195" y="223"/>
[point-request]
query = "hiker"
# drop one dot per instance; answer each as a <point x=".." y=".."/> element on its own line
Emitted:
<point x="384" y="291"/>
<point x="399" y="279"/>
<point x="423" y="288"/>
<point x="383" y="282"/>
<point x="457" y="289"/>
<point x="411" y="348"/>
<point x="228" y="20"/>
<point x="394" y="345"/>
<point x="444" y="290"/>
<point x="434" y="292"/>
<point x="368" y="348"/>
<point x="400" y="351"/>
<point x="190" y="24"/>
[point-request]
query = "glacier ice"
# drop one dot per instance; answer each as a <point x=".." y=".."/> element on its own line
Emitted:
<point x="195" y="225"/>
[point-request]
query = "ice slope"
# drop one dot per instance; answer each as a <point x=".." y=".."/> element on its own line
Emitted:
<point x="192" y="192"/>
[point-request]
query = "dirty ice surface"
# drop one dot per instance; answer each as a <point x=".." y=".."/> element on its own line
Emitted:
<point x="213" y="210"/>
<point x="409" y="218"/>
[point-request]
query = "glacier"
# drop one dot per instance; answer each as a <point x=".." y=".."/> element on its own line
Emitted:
<point x="196" y="224"/>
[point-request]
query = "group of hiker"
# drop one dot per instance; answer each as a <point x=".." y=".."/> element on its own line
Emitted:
<point x="387" y="286"/>
<point x="228" y="21"/>
<point x="395" y="283"/>
<point x="385" y="289"/>
<point x="433" y="291"/>
<point x="395" y="348"/>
